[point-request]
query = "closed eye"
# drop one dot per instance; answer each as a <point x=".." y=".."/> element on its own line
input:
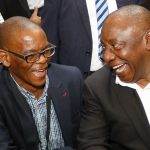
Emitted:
<point x="118" y="45"/>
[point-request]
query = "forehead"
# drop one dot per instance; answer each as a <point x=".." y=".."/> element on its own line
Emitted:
<point x="117" y="33"/>
<point x="118" y="30"/>
<point x="30" y="40"/>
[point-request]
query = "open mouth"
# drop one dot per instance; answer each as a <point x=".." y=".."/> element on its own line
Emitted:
<point x="119" y="68"/>
<point x="40" y="73"/>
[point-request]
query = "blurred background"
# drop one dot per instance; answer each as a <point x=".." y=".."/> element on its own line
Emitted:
<point x="1" y="18"/>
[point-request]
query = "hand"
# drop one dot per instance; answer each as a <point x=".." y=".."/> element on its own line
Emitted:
<point x="35" y="18"/>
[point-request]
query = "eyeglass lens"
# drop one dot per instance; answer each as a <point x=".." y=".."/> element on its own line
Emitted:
<point x="48" y="52"/>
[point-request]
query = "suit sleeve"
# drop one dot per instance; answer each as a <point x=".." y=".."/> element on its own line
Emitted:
<point x="6" y="142"/>
<point x="93" y="133"/>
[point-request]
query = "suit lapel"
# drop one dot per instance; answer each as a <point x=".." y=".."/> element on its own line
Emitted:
<point x="61" y="102"/>
<point x="130" y="102"/>
<point x="24" y="116"/>
<point x="81" y="4"/>
<point x="25" y="6"/>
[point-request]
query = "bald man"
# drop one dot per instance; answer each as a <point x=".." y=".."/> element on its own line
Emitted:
<point x="40" y="101"/>
<point x="116" y="114"/>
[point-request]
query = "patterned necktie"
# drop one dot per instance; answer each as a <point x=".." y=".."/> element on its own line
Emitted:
<point x="101" y="13"/>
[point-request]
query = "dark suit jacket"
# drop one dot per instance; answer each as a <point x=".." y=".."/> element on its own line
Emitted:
<point x="9" y="8"/>
<point x="67" y="25"/>
<point x="17" y="126"/>
<point x="145" y="3"/>
<point x="113" y="117"/>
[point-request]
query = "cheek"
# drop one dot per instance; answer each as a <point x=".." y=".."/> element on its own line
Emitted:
<point x="127" y="75"/>
<point x="20" y="69"/>
<point x="23" y="67"/>
<point x="134" y="67"/>
<point x="129" y="70"/>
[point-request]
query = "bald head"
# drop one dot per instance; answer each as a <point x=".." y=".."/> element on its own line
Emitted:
<point x="12" y="29"/>
<point x="130" y="10"/>
<point x="130" y="15"/>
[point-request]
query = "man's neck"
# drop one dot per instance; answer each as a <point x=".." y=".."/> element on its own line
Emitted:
<point x="36" y="91"/>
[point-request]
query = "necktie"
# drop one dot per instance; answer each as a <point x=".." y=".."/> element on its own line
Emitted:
<point x="101" y="13"/>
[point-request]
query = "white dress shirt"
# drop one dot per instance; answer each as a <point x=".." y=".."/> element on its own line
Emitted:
<point x="95" y="62"/>
<point x="144" y="94"/>
<point x="1" y="19"/>
<point x="33" y="3"/>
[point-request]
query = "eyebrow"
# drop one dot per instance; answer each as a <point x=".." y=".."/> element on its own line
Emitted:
<point x="32" y="51"/>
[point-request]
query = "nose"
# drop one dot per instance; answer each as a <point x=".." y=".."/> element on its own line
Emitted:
<point x="108" y="56"/>
<point x="42" y="59"/>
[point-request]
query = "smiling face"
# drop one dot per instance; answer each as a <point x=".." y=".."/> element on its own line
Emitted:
<point x="125" y="49"/>
<point x="31" y="76"/>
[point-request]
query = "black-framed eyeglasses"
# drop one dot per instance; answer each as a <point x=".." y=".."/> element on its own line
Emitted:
<point x="31" y="58"/>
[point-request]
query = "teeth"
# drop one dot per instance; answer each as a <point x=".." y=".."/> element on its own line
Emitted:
<point x="39" y="70"/>
<point x="116" y="67"/>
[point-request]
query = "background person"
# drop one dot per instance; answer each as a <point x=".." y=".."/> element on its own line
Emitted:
<point x="10" y="8"/>
<point x="72" y="26"/>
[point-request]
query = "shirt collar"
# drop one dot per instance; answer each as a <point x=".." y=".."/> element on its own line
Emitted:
<point x="27" y="93"/>
<point x="131" y="85"/>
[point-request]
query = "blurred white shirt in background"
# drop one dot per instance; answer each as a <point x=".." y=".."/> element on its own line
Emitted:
<point x="1" y="18"/>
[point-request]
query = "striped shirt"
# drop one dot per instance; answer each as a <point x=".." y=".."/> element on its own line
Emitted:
<point x="39" y="111"/>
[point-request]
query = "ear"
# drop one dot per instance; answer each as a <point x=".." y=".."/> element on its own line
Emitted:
<point x="147" y="40"/>
<point x="4" y="58"/>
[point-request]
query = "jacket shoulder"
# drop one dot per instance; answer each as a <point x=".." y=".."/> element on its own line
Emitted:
<point x="64" y="71"/>
<point x="101" y="78"/>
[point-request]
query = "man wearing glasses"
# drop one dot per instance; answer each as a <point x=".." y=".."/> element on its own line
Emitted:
<point x="40" y="101"/>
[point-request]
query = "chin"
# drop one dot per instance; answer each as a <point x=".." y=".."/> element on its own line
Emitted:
<point x="40" y="84"/>
<point x="126" y="79"/>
